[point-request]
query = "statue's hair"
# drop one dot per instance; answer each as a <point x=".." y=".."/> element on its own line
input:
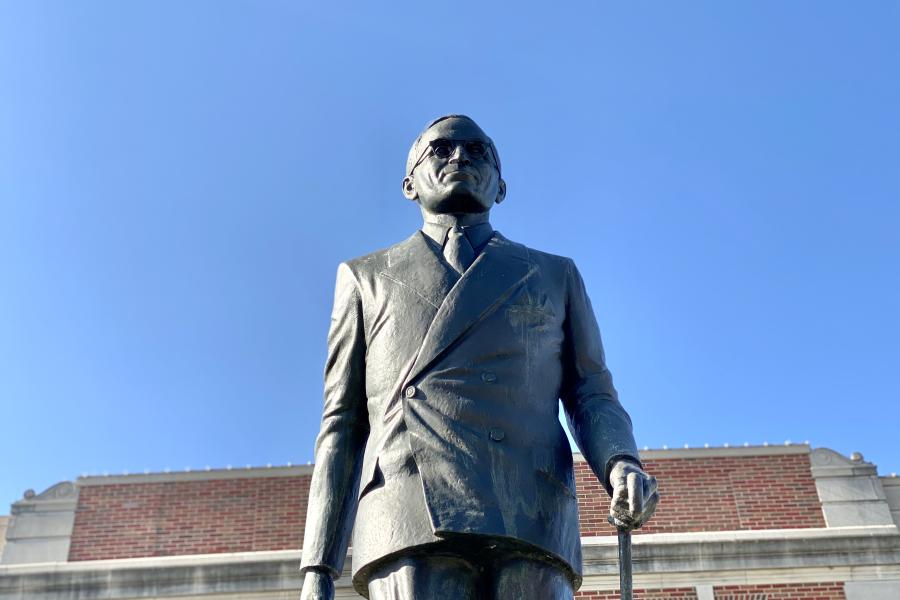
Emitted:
<point x="416" y="151"/>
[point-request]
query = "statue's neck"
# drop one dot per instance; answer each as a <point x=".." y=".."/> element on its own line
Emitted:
<point x="455" y="220"/>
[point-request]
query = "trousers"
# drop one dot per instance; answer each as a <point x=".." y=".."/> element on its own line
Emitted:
<point x="453" y="576"/>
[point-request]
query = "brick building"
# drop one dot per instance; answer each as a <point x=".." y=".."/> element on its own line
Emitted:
<point x="776" y="523"/>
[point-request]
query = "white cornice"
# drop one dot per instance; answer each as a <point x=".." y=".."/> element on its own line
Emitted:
<point x="178" y="476"/>
<point x="748" y="535"/>
<point x="660" y="560"/>
<point x="765" y="450"/>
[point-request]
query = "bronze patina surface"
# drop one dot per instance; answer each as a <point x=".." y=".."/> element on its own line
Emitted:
<point x="448" y="354"/>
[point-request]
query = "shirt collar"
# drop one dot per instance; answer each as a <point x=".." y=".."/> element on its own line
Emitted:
<point x="476" y="227"/>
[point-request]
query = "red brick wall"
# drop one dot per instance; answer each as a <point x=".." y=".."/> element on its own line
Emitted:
<point x="659" y="594"/>
<point x="268" y="513"/>
<point x="716" y="494"/>
<point x="792" y="591"/>
<point x="189" y="517"/>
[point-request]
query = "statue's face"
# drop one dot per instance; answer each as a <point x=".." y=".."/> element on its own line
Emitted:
<point x="456" y="172"/>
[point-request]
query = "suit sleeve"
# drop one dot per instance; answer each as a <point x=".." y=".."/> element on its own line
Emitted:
<point x="342" y="437"/>
<point x="599" y="424"/>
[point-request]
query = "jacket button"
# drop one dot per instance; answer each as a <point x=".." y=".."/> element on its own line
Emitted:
<point x="497" y="434"/>
<point x="488" y="377"/>
<point x="410" y="391"/>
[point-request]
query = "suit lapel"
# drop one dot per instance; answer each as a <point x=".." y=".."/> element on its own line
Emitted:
<point x="497" y="272"/>
<point x="415" y="269"/>
<point x="414" y="265"/>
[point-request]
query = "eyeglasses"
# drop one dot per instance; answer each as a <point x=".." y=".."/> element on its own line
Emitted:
<point x="443" y="148"/>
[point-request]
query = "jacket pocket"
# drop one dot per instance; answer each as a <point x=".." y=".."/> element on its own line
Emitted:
<point x="562" y="487"/>
<point x="374" y="482"/>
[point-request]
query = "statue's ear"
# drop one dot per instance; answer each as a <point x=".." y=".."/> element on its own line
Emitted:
<point x="409" y="190"/>
<point x="501" y="192"/>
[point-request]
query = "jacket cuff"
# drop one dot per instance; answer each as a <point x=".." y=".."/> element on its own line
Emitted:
<point x="304" y="569"/>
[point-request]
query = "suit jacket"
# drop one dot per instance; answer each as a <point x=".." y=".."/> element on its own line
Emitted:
<point x="441" y="405"/>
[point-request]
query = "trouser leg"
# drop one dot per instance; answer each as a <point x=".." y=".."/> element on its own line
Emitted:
<point x="523" y="578"/>
<point x="426" y="578"/>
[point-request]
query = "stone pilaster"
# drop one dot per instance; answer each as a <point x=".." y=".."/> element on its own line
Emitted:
<point x="40" y="527"/>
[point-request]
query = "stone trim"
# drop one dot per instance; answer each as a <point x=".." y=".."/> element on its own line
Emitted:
<point x="178" y="476"/>
<point x="40" y="526"/>
<point x="849" y="489"/>
<point x="828" y="463"/>
<point x="891" y="486"/>
<point x="771" y="450"/>
<point x="699" y="537"/>
<point x="700" y="579"/>
<point x="747" y="535"/>
<point x="858" y="554"/>
<point x="4" y="521"/>
<point x="854" y="547"/>
<point x="878" y="589"/>
<point x="154" y="562"/>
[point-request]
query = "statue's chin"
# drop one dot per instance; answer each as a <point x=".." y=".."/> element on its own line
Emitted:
<point x="458" y="202"/>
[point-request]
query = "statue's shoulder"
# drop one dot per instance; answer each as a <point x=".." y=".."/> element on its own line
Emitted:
<point x="546" y="260"/>
<point x="379" y="260"/>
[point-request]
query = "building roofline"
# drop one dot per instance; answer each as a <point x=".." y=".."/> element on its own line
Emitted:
<point x="719" y="451"/>
<point x="298" y="470"/>
<point x="204" y="475"/>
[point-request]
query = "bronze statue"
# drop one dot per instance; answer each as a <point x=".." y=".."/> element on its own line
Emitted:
<point x="448" y="354"/>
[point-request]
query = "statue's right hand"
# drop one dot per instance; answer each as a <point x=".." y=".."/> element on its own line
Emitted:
<point x="317" y="585"/>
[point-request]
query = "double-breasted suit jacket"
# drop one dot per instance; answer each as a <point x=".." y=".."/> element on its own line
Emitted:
<point x="441" y="405"/>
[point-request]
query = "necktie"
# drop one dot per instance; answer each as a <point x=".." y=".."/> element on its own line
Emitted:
<point x="458" y="250"/>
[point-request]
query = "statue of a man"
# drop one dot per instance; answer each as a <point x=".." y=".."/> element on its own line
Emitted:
<point x="448" y="354"/>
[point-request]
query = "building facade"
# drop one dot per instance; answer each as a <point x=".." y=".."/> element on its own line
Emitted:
<point x="744" y="523"/>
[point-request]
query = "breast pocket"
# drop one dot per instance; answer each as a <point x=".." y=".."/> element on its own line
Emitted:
<point x="531" y="311"/>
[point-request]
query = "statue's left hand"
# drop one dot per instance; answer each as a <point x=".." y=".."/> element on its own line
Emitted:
<point x="635" y="495"/>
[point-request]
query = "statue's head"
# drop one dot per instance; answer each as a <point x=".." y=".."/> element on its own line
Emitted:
<point x="453" y="167"/>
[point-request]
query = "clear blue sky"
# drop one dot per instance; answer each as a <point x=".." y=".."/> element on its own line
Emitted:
<point x="179" y="180"/>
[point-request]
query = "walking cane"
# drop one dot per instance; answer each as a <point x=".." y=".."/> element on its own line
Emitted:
<point x="626" y="591"/>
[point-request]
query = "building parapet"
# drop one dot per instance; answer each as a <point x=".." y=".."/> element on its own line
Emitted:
<point x="40" y="526"/>
<point x="865" y="557"/>
<point x="891" y="486"/>
<point x="199" y="475"/>
<point x="3" y="522"/>
<point x="717" y="451"/>
<point x="849" y="489"/>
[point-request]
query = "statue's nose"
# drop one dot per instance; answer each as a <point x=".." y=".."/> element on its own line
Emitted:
<point x="459" y="155"/>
